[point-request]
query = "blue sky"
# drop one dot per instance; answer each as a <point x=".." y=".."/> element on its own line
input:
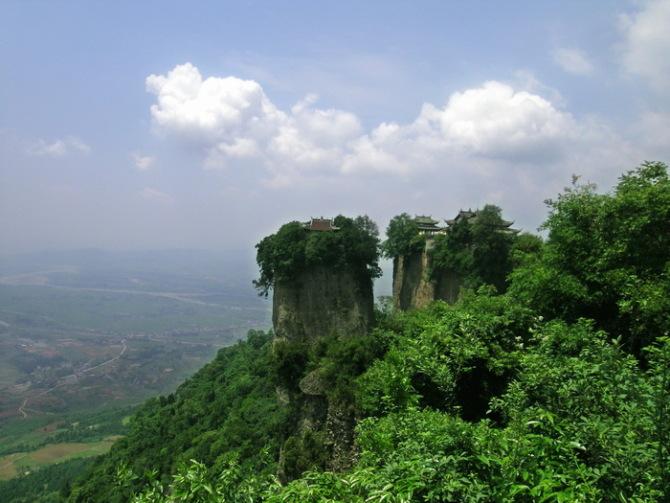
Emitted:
<point x="208" y="124"/>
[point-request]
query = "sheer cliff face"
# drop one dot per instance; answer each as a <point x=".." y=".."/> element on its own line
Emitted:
<point x="413" y="287"/>
<point x="321" y="302"/>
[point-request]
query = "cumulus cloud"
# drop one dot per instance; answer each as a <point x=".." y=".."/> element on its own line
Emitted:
<point x="573" y="61"/>
<point x="143" y="162"/>
<point x="212" y="110"/>
<point x="647" y="43"/>
<point x="234" y="120"/>
<point x="496" y="121"/>
<point x="237" y="125"/>
<point x="59" y="148"/>
<point x="151" y="194"/>
<point x="493" y="121"/>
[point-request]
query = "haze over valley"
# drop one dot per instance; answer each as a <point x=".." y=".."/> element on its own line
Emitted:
<point x="88" y="333"/>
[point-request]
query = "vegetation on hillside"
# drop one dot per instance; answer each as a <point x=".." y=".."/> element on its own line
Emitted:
<point x="292" y="249"/>
<point x="482" y="402"/>
<point x="402" y="237"/>
<point x="50" y="484"/>
<point x="607" y="258"/>
<point x="226" y="411"/>
<point x="478" y="250"/>
<point x="557" y="390"/>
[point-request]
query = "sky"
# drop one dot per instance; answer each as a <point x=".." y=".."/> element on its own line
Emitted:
<point x="164" y="124"/>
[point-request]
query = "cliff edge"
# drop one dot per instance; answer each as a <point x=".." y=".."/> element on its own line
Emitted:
<point x="320" y="273"/>
<point x="320" y="302"/>
<point x="413" y="286"/>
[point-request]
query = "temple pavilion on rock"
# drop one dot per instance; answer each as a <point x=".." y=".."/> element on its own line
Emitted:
<point x="320" y="225"/>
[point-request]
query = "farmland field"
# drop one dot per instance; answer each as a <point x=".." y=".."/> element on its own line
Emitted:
<point x="85" y="336"/>
<point x="26" y="462"/>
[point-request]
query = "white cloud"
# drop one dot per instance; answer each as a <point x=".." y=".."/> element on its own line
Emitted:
<point x="240" y="148"/>
<point x="235" y="122"/>
<point x="143" y="162"/>
<point x="59" y="148"/>
<point x="151" y="194"/>
<point x="212" y="110"/>
<point x="496" y="121"/>
<point x="646" y="50"/>
<point x="573" y="61"/>
<point x="489" y="122"/>
<point x="489" y="127"/>
<point x="525" y="80"/>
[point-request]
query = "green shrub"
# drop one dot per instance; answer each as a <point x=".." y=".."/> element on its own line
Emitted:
<point x="303" y="452"/>
<point x="402" y="237"/>
<point x="607" y="258"/>
<point x="477" y="250"/>
<point x="284" y="255"/>
<point x="454" y="360"/>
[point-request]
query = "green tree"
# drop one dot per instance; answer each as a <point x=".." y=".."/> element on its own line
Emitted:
<point x="607" y="257"/>
<point x="293" y="249"/>
<point x="402" y="237"/>
<point x="477" y="249"/>
<point x="279" y="254"/>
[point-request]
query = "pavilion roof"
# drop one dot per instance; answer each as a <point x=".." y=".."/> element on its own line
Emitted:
<point x="321" y="225"/>
<point x="425" y="220"/>
<point x="428" y="225"/>
<point x="471" y="216"/>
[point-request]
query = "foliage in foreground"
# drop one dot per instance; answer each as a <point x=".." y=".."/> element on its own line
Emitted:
<point x="515" y="397"/>
<point x="607" y="258"/>
<point x="580" y="422"/>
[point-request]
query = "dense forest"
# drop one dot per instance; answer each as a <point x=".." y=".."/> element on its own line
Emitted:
<point x="548" y="380"/>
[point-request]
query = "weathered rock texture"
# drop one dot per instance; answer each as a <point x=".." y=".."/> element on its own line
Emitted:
<point x="340" y="425"/>
<point x="447" y="286"/>
<point x="414" y="288"/>
<point x="320" y="303"/>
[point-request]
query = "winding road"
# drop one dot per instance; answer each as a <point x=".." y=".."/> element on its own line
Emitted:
<point x="24" y="406"/>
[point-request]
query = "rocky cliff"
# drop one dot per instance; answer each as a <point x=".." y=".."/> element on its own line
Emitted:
<point x="320" y="302"/>
<point x="413" y="286"/>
